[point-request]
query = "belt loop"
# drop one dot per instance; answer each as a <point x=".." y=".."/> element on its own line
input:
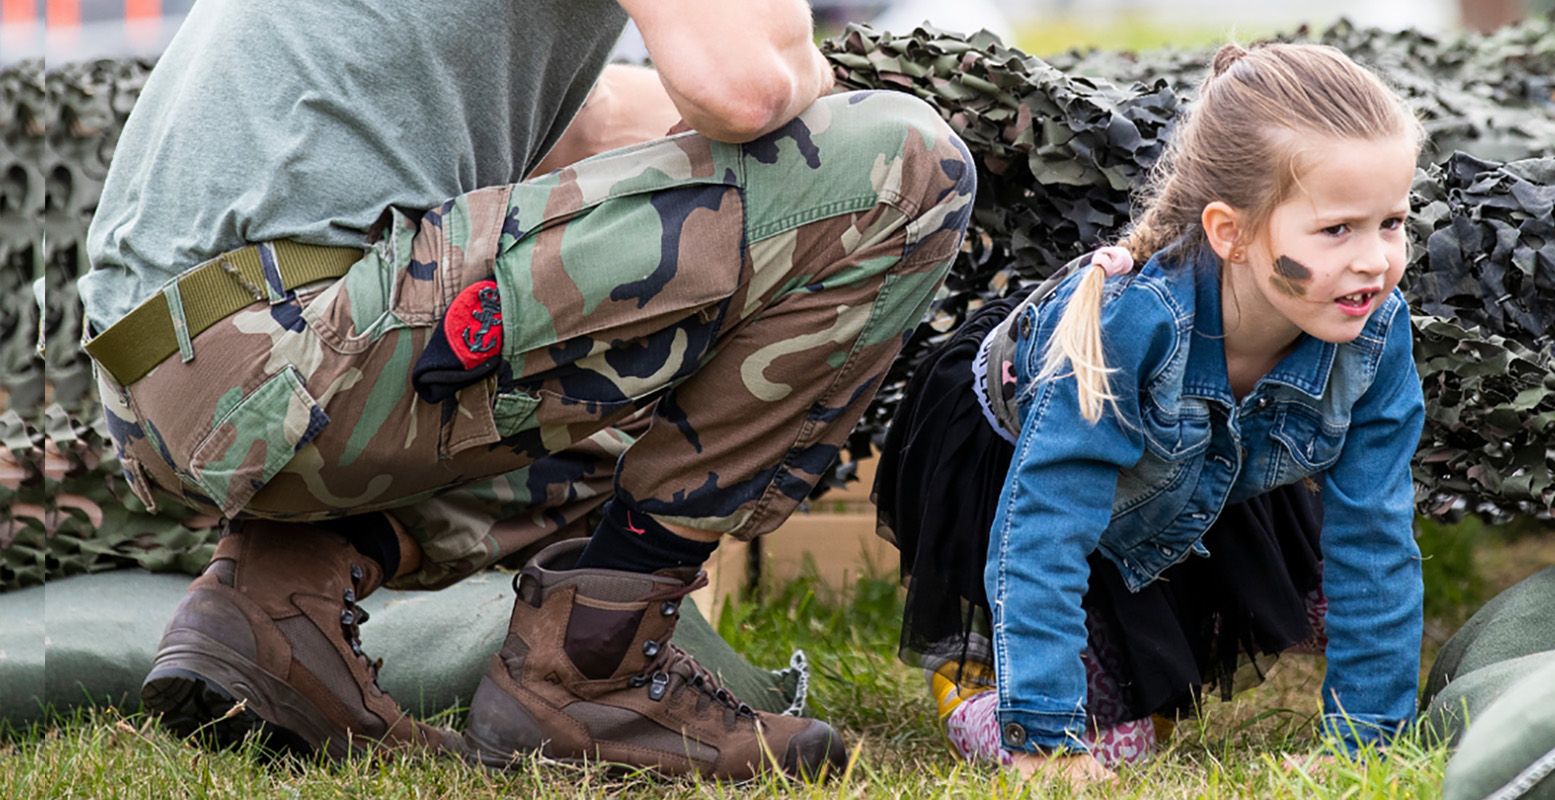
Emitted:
<point x="175" y="312"/>
<point x="275" y="288"/>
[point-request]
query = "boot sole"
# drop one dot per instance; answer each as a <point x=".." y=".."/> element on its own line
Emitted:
<point x="193" y="706"/>
<point x="195" y="683"/>
<point x="492" y="740"/>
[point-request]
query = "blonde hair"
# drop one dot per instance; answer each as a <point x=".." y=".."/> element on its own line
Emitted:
<point x="1239" y="145"/>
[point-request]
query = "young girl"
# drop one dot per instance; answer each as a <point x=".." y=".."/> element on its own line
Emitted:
<point x="1108" y="494"/>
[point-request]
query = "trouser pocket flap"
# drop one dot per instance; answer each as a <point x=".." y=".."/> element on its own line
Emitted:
<point x="254" y="439"/>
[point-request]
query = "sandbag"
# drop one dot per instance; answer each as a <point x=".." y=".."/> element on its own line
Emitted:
<point x="103" y="629"/>
<point x="1464" y="700"/>
<point x="1508" y="752"/>
<point x="1515" y="623"/>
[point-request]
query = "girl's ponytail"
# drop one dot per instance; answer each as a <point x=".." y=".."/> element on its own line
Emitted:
<point x="1077" y="340"/>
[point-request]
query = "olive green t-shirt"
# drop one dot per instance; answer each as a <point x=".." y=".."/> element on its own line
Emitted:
<point x="305" y="120"/>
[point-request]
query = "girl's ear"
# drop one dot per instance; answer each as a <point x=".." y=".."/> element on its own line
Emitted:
<point x="1222" y="227"/>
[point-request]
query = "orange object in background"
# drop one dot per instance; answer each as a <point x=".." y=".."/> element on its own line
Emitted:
<point x="142" y="9"/>
<point x="63" y="13"/>
<point x="16" y="12"/>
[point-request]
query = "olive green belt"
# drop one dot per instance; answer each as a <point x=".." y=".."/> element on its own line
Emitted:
<point x="201" y="297"/>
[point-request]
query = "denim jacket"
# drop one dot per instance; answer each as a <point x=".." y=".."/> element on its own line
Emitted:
<point x="1143" y="485"/>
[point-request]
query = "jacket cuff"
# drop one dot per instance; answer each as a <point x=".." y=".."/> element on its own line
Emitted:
<point x="1026" y="731"/>
<point x="1356" y="731"/>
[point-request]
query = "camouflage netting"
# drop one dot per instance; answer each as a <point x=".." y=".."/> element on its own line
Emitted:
<point x="64" y="506"/>
<point x="1058" y="153"/>
<point x="1062" y="142"/>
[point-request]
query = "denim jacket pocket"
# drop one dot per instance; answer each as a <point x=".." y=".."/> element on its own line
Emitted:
<point x="254" y="439"/>
<point x="1173" y="437"/>
<point x="1310" y="445"/>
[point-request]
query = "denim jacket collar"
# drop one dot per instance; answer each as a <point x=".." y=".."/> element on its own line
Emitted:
<point x="1306" y="368"/>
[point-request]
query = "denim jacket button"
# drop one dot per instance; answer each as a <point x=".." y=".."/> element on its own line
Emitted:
<point x="1024" y="326"/>
<point x="1014" y="734"/>
<point x="1263" y="403"/>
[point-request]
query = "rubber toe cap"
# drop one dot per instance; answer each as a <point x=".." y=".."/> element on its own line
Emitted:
<point x="815" y="748"/>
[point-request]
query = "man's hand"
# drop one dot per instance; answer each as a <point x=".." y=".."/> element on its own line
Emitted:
<point x="735" y="69"/>
<point x="1079" y="771"/>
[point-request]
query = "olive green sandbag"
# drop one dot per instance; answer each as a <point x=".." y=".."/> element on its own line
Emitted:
<point x="1508" y="752"/>
<point x="1464" y="700"/>
<point x="102" y="631"/>
<point x="1517" y="622"/>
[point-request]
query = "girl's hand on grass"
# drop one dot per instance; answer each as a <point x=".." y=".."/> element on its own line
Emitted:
<point x="1079" y="770"/>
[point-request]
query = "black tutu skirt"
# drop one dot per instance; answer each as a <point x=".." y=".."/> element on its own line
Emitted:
<point x="1212" y="623"/>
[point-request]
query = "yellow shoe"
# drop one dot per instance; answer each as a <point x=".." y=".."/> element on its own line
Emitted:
<point x="976" y="678"/>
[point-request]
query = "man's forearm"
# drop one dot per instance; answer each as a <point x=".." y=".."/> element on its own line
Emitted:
<point x="627" y="105"/>
<point x="736" y="69"/>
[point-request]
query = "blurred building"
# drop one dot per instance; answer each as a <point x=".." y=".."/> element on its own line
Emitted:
<point x="1431" y="15"/>
<point x="75" y="30"/>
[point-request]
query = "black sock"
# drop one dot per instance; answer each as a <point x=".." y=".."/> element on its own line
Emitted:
<point x="630" y="540"/>
<point x="372" y="536"/>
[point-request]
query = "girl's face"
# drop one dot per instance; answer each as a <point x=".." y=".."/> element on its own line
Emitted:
<point x="1336" y="249"/>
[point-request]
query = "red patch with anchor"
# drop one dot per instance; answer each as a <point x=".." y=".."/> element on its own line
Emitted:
<point x="473" y="324"/>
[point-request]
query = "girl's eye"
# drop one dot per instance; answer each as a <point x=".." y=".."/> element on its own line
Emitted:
<point x="1392" y="223"/>
<point x="1336" y="230"/>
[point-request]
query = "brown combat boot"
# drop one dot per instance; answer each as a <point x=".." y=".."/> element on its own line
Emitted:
<point x="273" y="622"/>
<point x="588" y="671"/>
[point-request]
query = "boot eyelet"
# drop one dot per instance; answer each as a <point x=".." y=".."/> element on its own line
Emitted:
<point x="349" y="597"/>
<point x="661" y="682"/>
<point x="638" y="681"/>
<point x="346" y="618"/>
<point x="650" y="648"/>
<point x="356" y="572"/>
<point x="668" y="608"/>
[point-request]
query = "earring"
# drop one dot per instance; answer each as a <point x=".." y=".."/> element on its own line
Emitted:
<point x="1237" y="256"/>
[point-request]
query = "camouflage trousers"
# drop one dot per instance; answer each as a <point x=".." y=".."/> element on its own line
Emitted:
<point x="738" y="304"/>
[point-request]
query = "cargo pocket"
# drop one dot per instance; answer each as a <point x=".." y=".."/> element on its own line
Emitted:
<point x="254" y="439"/>
<point x="618" y="251"/>
<point x="481" y="415"/>
<point x="514" y="412"/>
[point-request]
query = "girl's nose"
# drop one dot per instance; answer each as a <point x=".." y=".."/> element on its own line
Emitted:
<point x="1373" y="260"/>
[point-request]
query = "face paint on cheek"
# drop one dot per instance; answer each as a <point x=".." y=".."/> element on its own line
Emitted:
<point x="1290" y="276"/>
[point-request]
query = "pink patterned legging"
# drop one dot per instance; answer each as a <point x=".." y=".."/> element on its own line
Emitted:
<point x="973" y="727"/>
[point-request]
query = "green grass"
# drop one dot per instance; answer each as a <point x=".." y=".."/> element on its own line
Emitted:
<point x="1132" y="33"/>
<point x="1234" y="749"/>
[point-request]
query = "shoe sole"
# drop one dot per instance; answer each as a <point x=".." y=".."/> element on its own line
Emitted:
<point x="492" y="741"/>
<point x="204" y="689"/>
<point x="193" y="706"/>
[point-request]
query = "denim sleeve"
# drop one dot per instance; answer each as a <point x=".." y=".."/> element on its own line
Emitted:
<point x="1056" y="502"/>
<point x="1371" y="564"/>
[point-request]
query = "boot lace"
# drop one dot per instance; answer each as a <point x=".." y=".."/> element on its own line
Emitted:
<point x="351" y="619"/>
<point x="672" y="671"/>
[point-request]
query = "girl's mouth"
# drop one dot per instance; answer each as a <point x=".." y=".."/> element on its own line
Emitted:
<point x="1358" y="303"/>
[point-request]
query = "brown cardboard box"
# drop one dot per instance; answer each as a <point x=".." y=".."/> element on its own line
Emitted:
<point x="843" y="547"/>
<point x="837" y="533"/>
